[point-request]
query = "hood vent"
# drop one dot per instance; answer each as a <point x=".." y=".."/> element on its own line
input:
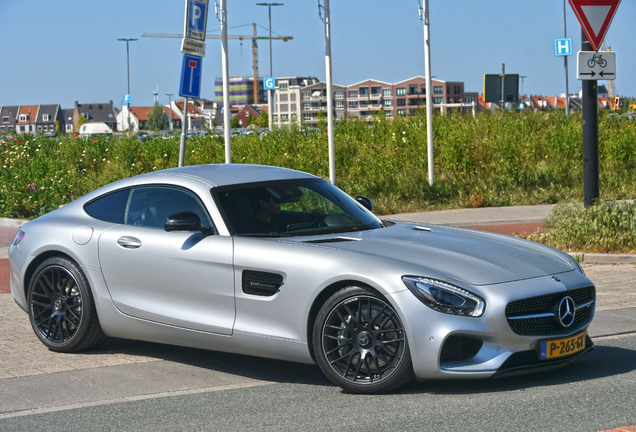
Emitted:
<point x="331" y="240"/>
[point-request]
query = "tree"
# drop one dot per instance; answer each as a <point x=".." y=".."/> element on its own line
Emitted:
<point x="157" y="119"/>
<point x="235" y="123"/>
<point x="80" y="121"/>
<point x="263" y="120"/>
<point x="321" y="123"/>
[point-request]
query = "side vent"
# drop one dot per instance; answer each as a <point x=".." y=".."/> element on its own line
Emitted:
<point x="331" y="240"/>
<point x="261" y="283"/>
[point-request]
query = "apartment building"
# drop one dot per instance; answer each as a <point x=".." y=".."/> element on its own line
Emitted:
<point x="241" y="90"/>
<point x="411" y="94"/>
<point x="287" y="98"/>
<point x="368" y="97"/>
<point x="313" y="99"/>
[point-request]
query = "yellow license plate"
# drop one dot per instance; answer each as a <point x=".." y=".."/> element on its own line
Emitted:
<point x="562" y="347"/>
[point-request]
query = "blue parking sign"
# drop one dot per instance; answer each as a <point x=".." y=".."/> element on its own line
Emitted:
<point x="191" y="77"/>
<point x="269" y="83"/>
<point x="196" y="19"/>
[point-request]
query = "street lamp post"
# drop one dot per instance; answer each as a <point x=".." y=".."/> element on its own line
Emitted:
<point x="128" y="71"/>
<point x="269" y="92"/>
<point x="170" y="106"/>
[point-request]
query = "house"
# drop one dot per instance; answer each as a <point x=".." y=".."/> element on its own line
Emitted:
<point x="123" y="119"/>
<point x="196" y="120"/>
<point x="66" y="120"/>
<point x="245" y="113"/>
<point x="48" y="119"/>
<point x="27" y="116"/>
<point x="286" y="100"/>
<point x="8" y="118"/>
<point x="95" y="112"/>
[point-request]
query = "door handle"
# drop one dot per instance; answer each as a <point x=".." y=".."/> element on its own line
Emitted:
<point x="129" y="242"/>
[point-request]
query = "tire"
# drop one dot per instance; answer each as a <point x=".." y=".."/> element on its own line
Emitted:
<point x="61" y="307"/>
<point x="360" y="343"/>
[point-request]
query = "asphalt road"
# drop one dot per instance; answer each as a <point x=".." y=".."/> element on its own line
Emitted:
<point x="594" y="394"/>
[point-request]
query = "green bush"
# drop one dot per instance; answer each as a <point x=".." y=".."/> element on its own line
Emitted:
<point x="493" y="159"/>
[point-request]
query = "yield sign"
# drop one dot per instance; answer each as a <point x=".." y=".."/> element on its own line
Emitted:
<point x="595" y="17"/>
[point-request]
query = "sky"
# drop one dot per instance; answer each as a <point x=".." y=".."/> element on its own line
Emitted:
<point x="67" y="50"/>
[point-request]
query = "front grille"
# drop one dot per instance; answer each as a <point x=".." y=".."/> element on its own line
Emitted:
<point x="457" y="348"/>
<point x="548" y="304"/>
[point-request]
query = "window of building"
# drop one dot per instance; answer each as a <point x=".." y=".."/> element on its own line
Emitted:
<point x="339" y="94"/>
<point x="438" y="100"/>
<point x="39" y="127"/>
<point x="5" y="119"/>
<point x="414" y="102"/>
<point x="339" y="105"/>
<point x="413" y="89"/>
<point x="449" y="99"/>
<point x="386" y="92"/>
<point x="353" y="93"/>
<point x="282" y="86"/>
<point x="306" y="106"/>
<point x="275" y="117"/>
<point x="282" y="98"/>
<point x="307" y="117"/>
<point x="438" y="90"/>
<point x="23" y="117"/>
<point x="284" y="108"/>
<point x="284" y="117"/>
<point x="375" y="91"/>
<point x="447" y="89"/>
<point x="364" y="104"/>
<point x="21" y="128"/>
<point x="353" y="104"/>
<point x="401" y="112"/>
<point x="388" y="113"/>
<point x="457" y="99"/>
<point x="292" y="97"/>
<point x="306" y="96"/>
<point x="45" y="117"/>
<point x="401" y="92"/>
<point x="401" y="102"/>
<point x="294" y="117"/>
<point x="423" y="89"/>
<point x="457" y="90"/>
<point x="387" y="103"/>
<point x="364" y="91"/>
<point x="293" y="107"/>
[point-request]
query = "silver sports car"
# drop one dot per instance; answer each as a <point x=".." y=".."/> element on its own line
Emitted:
<point x="278" y="263"/>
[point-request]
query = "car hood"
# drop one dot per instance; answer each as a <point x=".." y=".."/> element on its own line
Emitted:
<point x="470" y="256"/>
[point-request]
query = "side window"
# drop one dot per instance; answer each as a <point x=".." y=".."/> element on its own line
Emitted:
<point x="150" y="206"/>
<point x="111" y="207"/>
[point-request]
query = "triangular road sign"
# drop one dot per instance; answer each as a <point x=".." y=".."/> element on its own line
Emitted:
<point x="595" y="17"/>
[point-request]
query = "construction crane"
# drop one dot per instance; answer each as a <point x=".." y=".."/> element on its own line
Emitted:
<point x="614" y="101"/>
<point x="254" y="38"/>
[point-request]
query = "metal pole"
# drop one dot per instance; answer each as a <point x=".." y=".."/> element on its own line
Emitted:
<point x="565" y="62"/>
<point x="503" y="87"/>
<point x="589" y="102"/>
<point x="226" y="85"/>
<point x="424" y="16"/>
<point x="270" y="93"/>
<point x="170" y="106"/>
<point x="183" y="133"/>
<point x="330" y="134"/>
<point x="128" y="72"/>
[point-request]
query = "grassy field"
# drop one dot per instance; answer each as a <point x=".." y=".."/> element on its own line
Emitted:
<point x="489" y="160"/>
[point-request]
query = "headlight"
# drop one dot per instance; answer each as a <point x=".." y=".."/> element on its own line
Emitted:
<point x="18" y="238"/>
<point x="443" y="297"/>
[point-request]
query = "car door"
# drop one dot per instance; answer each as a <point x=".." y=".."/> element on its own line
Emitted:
<point x="183" y="279"/>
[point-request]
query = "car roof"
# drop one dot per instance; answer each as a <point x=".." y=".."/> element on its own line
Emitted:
<point x="228" y="174"/>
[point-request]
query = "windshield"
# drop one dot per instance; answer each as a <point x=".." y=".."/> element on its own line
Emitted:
<point x="290" y="208"/>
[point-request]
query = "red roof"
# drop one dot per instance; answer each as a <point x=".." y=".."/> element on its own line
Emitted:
<point x="31" y="111"/>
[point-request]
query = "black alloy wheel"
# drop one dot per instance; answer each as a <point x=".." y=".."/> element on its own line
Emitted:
<point x="61" y="307"/>
<point x="360" y="342"/>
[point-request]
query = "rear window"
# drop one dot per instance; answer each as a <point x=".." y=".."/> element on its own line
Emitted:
<point x="111" y="207"/>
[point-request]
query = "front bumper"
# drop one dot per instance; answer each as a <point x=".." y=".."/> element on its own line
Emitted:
<point x="446" y="346"/>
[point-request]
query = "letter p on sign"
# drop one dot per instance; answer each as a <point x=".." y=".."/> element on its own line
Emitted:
<point x="196" y="14"/>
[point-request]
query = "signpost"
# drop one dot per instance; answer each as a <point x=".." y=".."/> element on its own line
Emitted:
<point x="501" y="88"/>
<point x="595" y="17"/>
<point x="193" y="47"/>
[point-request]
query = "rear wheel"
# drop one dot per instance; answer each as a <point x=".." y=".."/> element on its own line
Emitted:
<point x="61" y="307"/>
<point x="360" y="343"/>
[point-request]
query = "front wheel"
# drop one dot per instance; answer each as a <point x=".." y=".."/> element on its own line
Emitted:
<point x="61" y="307"/>
<point x="360" y="343"/>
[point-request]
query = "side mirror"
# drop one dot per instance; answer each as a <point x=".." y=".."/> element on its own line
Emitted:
<point x="184" y="221"/>
<point x="366" y="202"/>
